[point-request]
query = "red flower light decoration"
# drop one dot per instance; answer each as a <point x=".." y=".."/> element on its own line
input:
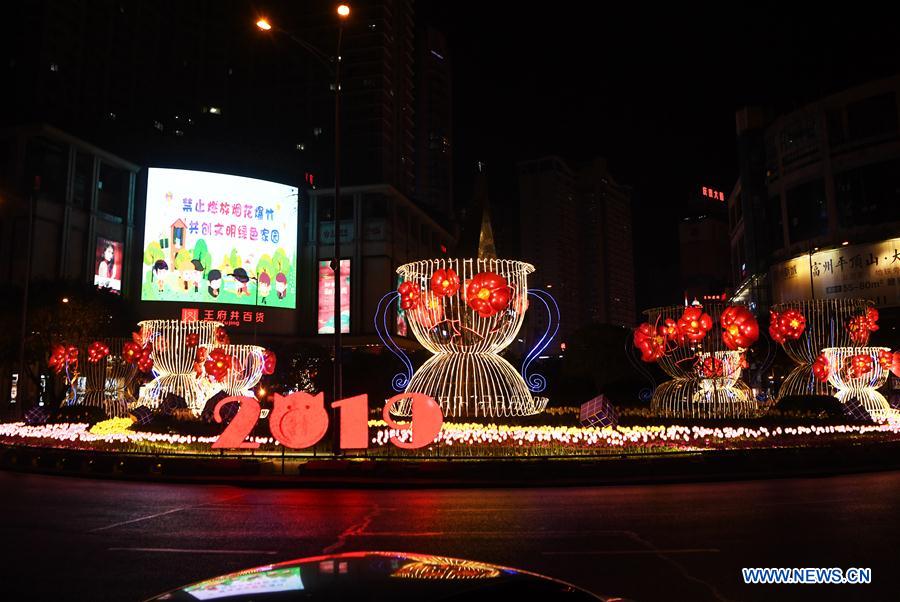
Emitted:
<point x="145" y="359"/>
<point x="409" y="295"/>
<point x="200" y="361"/>
<point x="651" y="344"/>
<point x="895" y="363"/>
<point x="739" y="327"/>
<point x="97" y="351"/>
<point x="428" y="314"/>
<point x="694" y="324"/>
<point x="192" y="340"/>
<point x="269" y="361"/>
<point x="743" y="364"/>
<point x="872" y="319"/>
<point x="712" y="367"/>
<point x="487" y="293"/>
<point x="444" y="282"/>
<point x="57" y="359"/>
<point x="775" y="328"/>
<point x="131" y="352"/>
<point x="821" y="369"/>
<point x="222" y="337"/>
<point x="857" y="366"/>
<point x="671" y="333"/>
<point x="218" y="364"/>
<point x="791" y="324"/>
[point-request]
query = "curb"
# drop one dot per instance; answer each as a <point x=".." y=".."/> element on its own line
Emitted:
<point x="705" y="466"/>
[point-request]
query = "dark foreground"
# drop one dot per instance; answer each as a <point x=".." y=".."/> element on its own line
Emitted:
<point x="67" y="538"/>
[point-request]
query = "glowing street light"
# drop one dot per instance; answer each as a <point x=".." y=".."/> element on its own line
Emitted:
<point x="264" y="24"/>
<point x="343" y="11"/>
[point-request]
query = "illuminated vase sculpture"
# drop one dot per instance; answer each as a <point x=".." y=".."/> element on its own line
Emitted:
<point x="246" y="370"/>
<point x="466" y="374"/>
<point x="859" y="380"/>
<point x="826" y="324"/>
<point x="107" y="382"/>
<point x="175" y="344"/>
<point x="705" y="375"/>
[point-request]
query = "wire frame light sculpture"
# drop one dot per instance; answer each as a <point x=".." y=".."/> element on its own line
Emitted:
<point x="246" y="369"/>
<point x="466" y="374"/>
<point x="174" y="347"/>
<point x="860" y="385"/>
<point x="827" y="325"/>
<point x="705" y="376"/>
<point x="107" y="381"/>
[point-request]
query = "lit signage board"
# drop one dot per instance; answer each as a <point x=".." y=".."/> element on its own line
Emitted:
<point x="867" y="271"/>
<point x="218" y="238"/>
<point x="326" y="297"/>
<point x="108" y="265"/>
<point x="716" y="195"/>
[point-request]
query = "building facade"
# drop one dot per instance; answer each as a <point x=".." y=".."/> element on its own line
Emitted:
<point x="576" y="229"/>
<point x="816" y="210"/>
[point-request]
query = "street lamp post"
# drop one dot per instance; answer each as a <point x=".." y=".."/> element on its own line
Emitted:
<point x="343" y="12"/>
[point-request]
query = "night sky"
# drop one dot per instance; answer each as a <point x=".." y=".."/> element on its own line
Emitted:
<point x="653" y="91"/>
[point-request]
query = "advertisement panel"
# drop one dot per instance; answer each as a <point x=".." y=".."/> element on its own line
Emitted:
<point x="866" y="271"/>
<point x="326" y="297"/>
<point x="218" y="238"/>
<point x="108" y="256"/>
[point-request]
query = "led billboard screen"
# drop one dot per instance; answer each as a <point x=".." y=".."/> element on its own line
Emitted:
<point x="218" y="238"/>
<point x="326" y="297"/>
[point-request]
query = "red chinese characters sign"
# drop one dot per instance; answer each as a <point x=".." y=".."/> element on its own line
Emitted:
<point x="228" y="317"/>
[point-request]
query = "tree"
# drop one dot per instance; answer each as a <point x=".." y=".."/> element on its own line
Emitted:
<point x="234" y="260"/>
<point x="183" y="260"/>
<point x="202" y="254"/>
<point x="153" y="253"/>
<point x="280" y="262"/>
<point x="265" y="265"/>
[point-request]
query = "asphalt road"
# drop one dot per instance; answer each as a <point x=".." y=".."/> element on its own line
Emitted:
<point x="70" y="538"/>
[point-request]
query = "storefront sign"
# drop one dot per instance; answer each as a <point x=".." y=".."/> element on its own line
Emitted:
<point x="867" y="271"/>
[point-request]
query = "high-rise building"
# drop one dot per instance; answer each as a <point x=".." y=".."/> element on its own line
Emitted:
<point x="703" y="247"/>
<point x="434" y="123"/>
<point x="576" y="228"/>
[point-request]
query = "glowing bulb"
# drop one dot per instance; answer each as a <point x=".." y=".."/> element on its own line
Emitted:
<point x="264" y="25"/>
<point x="343" y="11"/>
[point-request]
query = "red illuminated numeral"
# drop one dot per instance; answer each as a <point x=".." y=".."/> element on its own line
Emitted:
<point x="354" y="421"/>
<point x="240" y="426"/>
<point x="426" y="416"/>
<point x="298" y="420"/>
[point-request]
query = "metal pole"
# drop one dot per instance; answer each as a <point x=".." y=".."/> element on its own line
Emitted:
<point x="336" y="261"/>
<point x="19" y="411"/>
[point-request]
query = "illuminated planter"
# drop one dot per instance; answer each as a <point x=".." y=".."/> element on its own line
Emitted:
<point x="827" y="323"/>
<point x="107" y="382"/>
<point x="246" y="369"/>
<point x="173" y="360"/>
<point x="466" y="375"/>
<point x="860" y="387"/>
<point x="694" y="391"/>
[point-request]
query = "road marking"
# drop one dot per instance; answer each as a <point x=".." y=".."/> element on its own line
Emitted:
<point x="192" y="551"/>
<point x="353" y="530"/>
<point x="158" y="514"/>
<point x="649" y="552"/>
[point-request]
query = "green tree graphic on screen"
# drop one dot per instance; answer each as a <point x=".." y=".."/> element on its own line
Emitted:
<point x="183" y="260"/>
<point x="201" y="253"/>
<point x="153" y="253"/>
<point x="280" y="262"/>
<point x="265" y="265"/>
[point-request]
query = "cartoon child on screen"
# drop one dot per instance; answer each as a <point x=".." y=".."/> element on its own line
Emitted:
<point x="281" y="285"/>
<point x="240" y="276"/>
<point x="264" y="287"/>
<point x="215" y="282"/>
<point x="160" y="270"/>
